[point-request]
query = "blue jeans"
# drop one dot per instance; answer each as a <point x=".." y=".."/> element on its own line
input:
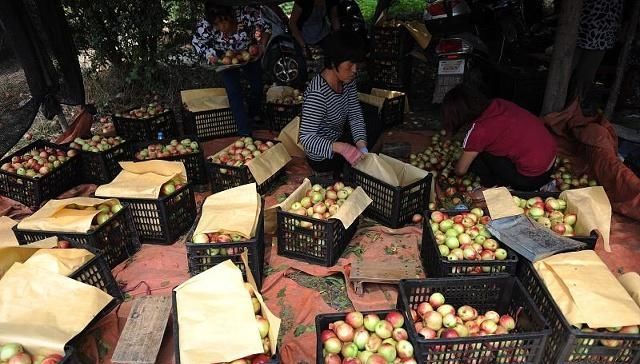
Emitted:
<point x="231" y="79"/>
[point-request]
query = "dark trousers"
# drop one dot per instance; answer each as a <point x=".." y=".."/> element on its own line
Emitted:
<point x="231" y="79"/>
<point x="501" y="171"/>
<point x="585" y="66"/>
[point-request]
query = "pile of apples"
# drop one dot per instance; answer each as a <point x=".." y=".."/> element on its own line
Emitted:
<point x="565" y="180"/>
<point x="320" y="203"/>
<point x="295" y="98"/>
<point x="107" y="210"/>
<point x="433" y="319"/>
<point x="457" y="184"/>
<point x="96" y="143"/>
<point x="172" y="186"/>
<point x="145" y="112"/>
<point x="367" y="339"/>
<point x="465" y="237"/>
<point x="549" y="213"/>
<point x="439" y="155"/>
<point x="38" y="162"/>
<point x="13" y="353"/>
<point x="236" y="57"/>
<point x="174" y="148"/>
<point x="583" y="346"/>
<point x="240" y="153"/>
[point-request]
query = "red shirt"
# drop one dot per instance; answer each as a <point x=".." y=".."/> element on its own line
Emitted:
<point x="506" y="130"/>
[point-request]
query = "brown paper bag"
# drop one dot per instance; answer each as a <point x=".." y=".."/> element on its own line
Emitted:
<point x="593" y="210"/>
<point x="45" y="310"/>
<point x="12" y="254"/>
<point x="205" y="99"/>
<point x="60" y="261"/>
<point x="388" y="94"/>
<point x="416" y="28"/>
<point x="586" y="291"/>
<point x="215" y="317"/>
<point x="371" y="100"/>
<point x="631" y="282"/>
<point x="142" y="180"/>
<point x="407" y="174"/>
<point x="290" y="137"/>
<point x="7" y="237"/>
<point x="54" y="216"/>
<point x="379" y="168"/>
<point x="233" y="211"/>
<point x="500" y="203"/>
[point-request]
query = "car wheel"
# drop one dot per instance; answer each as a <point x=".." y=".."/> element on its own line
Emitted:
<point x="283" y="67"/>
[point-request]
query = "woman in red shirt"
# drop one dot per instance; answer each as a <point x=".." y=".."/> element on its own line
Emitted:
<point x="505" y="144"/>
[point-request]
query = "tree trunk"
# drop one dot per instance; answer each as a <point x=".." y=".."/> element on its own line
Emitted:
<point x="622" y="61"/>
<point x="560" y="68"/>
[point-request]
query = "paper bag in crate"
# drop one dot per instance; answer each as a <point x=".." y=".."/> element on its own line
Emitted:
<point x="216" y="318"/>
<point x="377" y="96"/>
<point x="204" y="99"/>
<point x="290" y="138"/>
<point x="235" y="211"/>
<point x="45" y="310"/>
<point x="417" y="29"/>
<point x="586" y="291"/>
<point x="353" y="207"/>
<point x="7" y="237"/>
<point x="266" y="164"/>
<point x="142" y="180"/>
<point x="631" y="282"/>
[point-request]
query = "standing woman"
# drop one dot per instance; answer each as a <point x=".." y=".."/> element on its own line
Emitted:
<point x="505" y="144"/>
<point x="227" y="28"/>
<point x="330" y="103"/>
<point x="311" y="21"/>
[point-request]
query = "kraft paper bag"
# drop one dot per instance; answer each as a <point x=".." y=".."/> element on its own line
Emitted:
<point x="45" y="310"/>
<point x="593" y="210"/>
<point x="205" y="99"/>
<point x="54" y="216"/>
<point x="586" y="291"/>
<point x="500" y="203"/>
<point x="7" y="237"/>
<point x="371" y="100"/>
<point x="631" y="282"/>
<point x="416" y="28"/>
<point x="268" y="163"/>
<point x="215" y="317"/>
<point x="20" y="254"/>
<point x="142" y="180"/>
<point x="407" y="174"/>
<point x="377" y="167"/>
<point x="233" y="211"/>
<point x="388" y="94"/>
<point x="353" y="207"/>
<point x="290" y="137"/>
<point x="60" y="261"/>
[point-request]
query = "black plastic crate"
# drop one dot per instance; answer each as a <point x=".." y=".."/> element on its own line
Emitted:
<point x="164" y="219"/>
<point x="145" y="129"/>
<point x="391" y="41"/>
<point x="566" y="343"/>
<point x="323" y="321"/>
<point x="279" y="115"/>
<point x="32" y="192"/>
<point x="322" y="243"/>
<point x="589" y="240"/>
<point x="102" y="167"/>
<point x="505" y="295"/>
<point x="393" y="206"/>
<point x="176" y="333"/>
<point x="116" y="239"/>
<point x="96" y="272"/>
<point x="209" y="124"/>
<point x="193" y="162"/>
<point x="204" y="256"/>
<point x="436" y="265"/>
<point x="223" y="177"/>
<point x="392" y="74"/>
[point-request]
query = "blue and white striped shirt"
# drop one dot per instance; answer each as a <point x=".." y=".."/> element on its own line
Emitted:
<point x="324" y="113"/>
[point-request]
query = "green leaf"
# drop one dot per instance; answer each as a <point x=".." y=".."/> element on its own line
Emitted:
<point x="165" y="283"/>
<point x="301" y="329"/>
<point x="281" y="292"/>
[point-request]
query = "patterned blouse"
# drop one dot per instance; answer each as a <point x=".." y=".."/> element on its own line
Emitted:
<point x="208" y="40"/>
<point x="599" y="24"/>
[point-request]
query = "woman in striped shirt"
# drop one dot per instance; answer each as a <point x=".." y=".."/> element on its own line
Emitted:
<point x="330" y="102"/>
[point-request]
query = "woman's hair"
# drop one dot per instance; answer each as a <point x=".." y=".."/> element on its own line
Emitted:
<point x="462" y="105"/>
<point x="342" y="46"/>
<point x="214" y="13"/>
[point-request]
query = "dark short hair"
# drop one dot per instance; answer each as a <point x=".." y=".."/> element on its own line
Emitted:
<point x="214" y="12"/>
<point x="343" y="46"/>
<point x="462" y="105"/>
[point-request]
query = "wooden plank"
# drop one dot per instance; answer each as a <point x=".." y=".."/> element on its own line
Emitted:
<point x="390" y="272"/>
<point x="142" y="335"/>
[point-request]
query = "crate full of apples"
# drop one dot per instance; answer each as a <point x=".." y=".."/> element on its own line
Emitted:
<point x="186" y="150"/>
<point x="458" y="243"/>
<point x="145" y="122"/>
<point x="282" y="104"/>
<point x="308" y="224"/>
<point x="486" y="319"/>
<point x="100" y="156"/>
<point x="38" y="172"/>
<point x="375" y="337"/>
<point x="228" y="168"/>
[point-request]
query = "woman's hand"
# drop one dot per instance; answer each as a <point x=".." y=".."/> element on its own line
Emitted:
<point x="362" y="146"/>
<point x="350" y="153"/>
<point x="464" y="162"/>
